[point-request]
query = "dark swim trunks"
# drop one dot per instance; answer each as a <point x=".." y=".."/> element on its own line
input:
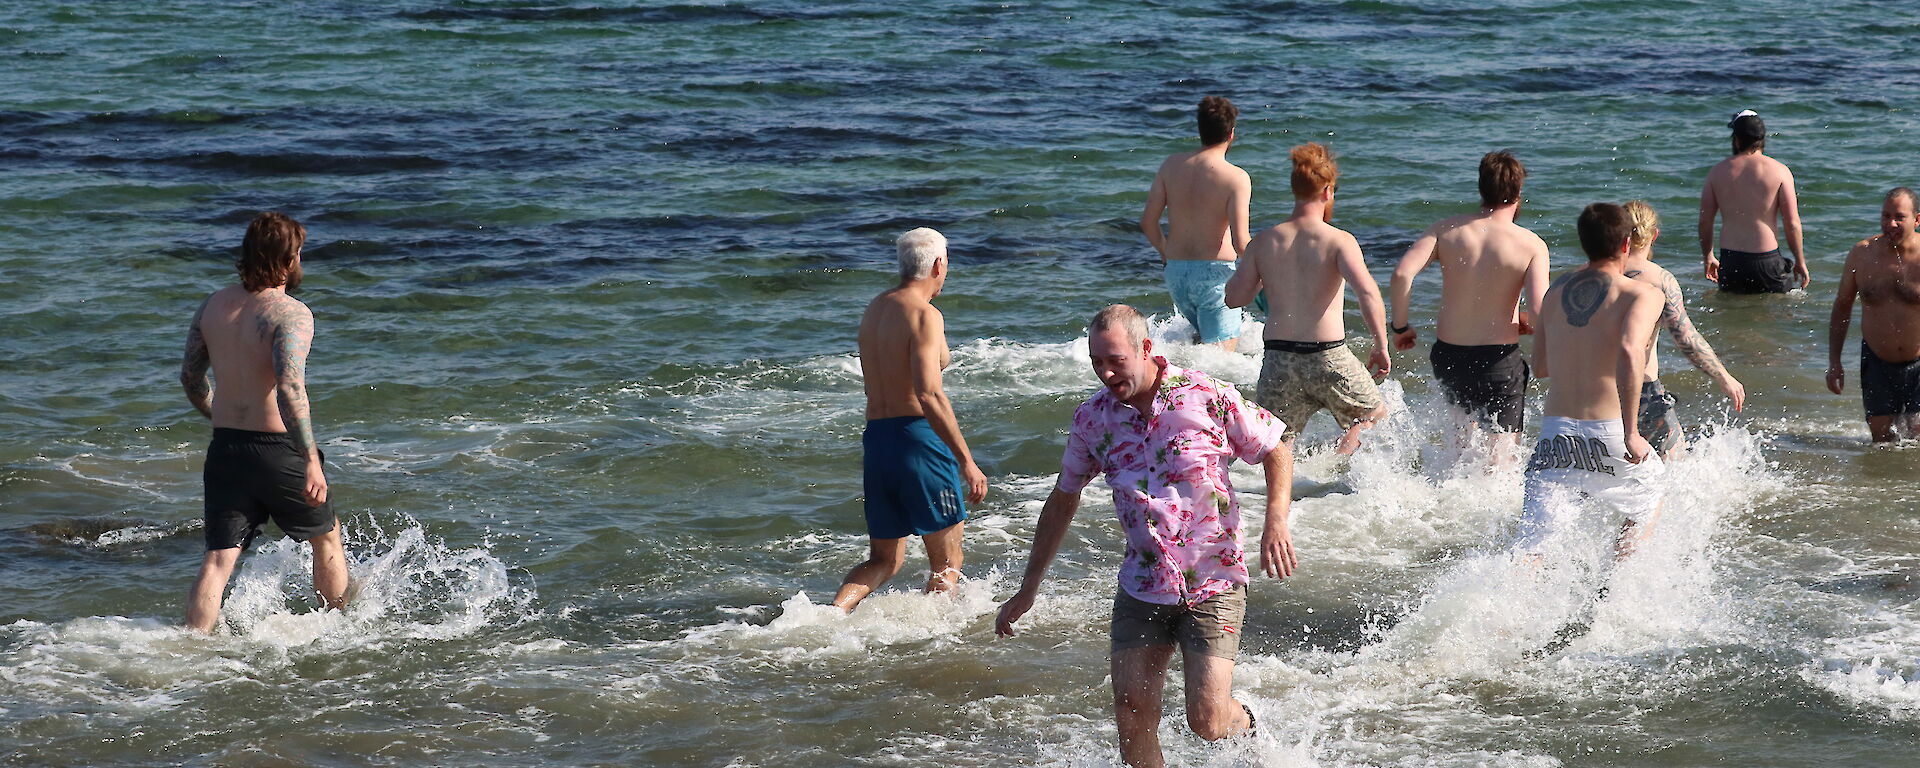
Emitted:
<point x="1743" y="272"/>
<point x="253" y="476"/>
<point x="1488" y="381"/>
<point x="912" y="479"/>
<point x="1658" y="423"/>
<point x="1887" y="388"/>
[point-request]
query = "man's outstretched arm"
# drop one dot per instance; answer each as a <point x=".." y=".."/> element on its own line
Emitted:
<point x="1276" y="539"/>
<point x="1150" y="217"/>
<point x="1837" y="325"/>
<point x="194" y="365"/>
<point x="1687" y="339"/>
<point x="1055" y="517"/>
<point x="291" y="324"/>
<point x="1400" y="288"/>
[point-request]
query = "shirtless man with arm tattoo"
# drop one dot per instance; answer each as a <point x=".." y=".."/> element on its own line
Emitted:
<point x="1658" y="423"/>
<point x="263" y="462"/>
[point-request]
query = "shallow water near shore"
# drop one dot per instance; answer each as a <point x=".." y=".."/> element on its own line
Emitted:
<point x="586" y="280"/>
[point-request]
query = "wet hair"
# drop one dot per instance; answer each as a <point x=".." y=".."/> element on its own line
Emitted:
<point x="1216" y="120"/>
<point x="1749" y="132"/>
<point x="1501" y="175"/>
<point x="1645" y="222"/>
<point x="1604" y="227"/>
<point x="1313" y="169"/>
<point x="1912" y="199"/>
<point x="1124" y="317"/>
<point x="919" y="249"/>
<point x="267" y="254"/>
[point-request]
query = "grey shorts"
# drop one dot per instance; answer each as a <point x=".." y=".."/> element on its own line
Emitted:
<point x="1212" y="627"/>
<point x="1658" y="423"/>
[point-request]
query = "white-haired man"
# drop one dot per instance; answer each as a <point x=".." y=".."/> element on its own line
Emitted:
<point x="916" y="463"/>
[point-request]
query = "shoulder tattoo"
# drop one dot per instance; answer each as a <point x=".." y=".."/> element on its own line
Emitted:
<point x="1581" y="297"/>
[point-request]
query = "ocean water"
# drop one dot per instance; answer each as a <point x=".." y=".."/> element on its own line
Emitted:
<point x="586" y="280"/>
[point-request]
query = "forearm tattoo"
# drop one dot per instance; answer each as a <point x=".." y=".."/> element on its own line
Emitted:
<point x="194" y="365"/>
<point x="1673" y="315"/>
<point x="290" y="326"/>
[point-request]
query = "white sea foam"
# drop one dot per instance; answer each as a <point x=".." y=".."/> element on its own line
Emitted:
<point x="416" y="588"/>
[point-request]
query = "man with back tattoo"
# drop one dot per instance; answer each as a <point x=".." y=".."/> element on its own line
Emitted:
<point x="263" y="462"/>
<point x="1591" y="347"/>
<point x="1658" y="422"/>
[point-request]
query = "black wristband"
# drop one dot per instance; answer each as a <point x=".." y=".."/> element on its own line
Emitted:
<point x="1399" y="330"/>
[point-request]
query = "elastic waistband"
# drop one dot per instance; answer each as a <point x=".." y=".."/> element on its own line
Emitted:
<point x="1726" y="252"/>
<point x="230" y="435"/>
<point x="1200" y="264"/>
<point x="1564" y="425"/>
<point x="1652" y="388"/>
<point x="894" y="422"/>
<point x="1478" y="349"/>
<point x="1303" y="347"/>
<point x="1866" y="352"/>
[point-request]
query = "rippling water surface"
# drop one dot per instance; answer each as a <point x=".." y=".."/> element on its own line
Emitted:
<point x="586" y="280"/>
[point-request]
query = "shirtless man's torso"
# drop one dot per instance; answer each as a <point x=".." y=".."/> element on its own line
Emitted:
<point x="916" y="465"/>
<point x="1884" y="272"/>
<point x="1754" y="197"/>
<point x="1205" y="200"/>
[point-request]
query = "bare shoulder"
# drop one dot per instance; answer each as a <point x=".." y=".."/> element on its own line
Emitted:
<point x="1647" y="272"/>
<point x="1639" y="291"/>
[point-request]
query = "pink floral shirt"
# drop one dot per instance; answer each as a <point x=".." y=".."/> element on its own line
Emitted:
<point x="1168" y="472"/>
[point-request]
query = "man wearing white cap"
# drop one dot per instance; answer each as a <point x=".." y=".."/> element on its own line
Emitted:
<point x="1753" y="195"/>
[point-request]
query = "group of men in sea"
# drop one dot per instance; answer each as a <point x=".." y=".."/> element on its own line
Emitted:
<point x="1163" y="437"/>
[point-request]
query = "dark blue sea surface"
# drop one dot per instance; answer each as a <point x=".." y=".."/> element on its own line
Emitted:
<point x="586" y="279"/>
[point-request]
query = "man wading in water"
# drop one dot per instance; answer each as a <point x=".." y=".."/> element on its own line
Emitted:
<point x="1884" y="271"/>
<point x="263" y="462"/>
<point x="1592" y="348"/>
<point x="1164" y="437"/>
<point x="1753" y="195"/>
<point x="1308" y="366"/>
<point x="1658" y="422"/>
<point x="1205" y="199"/>
<point x="1487" y="261"/>
<point x="916" y="462"/>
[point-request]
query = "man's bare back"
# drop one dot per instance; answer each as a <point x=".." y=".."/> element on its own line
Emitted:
<point x="1486" y="261"/>
<point x="1750" y="191"/>
<point x="902" y="338"/>
<point x="1205" y="199"/>
<point x="1311" y="263"/>
<point x="1594" y="322"/>
<point x="240" y="330"/>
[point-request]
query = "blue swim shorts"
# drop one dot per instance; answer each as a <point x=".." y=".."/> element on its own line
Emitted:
<point x="1199" y="290"/>
<point x="912" y="479"/>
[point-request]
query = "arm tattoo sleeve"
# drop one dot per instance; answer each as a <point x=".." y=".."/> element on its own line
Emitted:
<point x="1685" y="337"/>
<point x="292" y="336"/>
<point x="193" y="367"/>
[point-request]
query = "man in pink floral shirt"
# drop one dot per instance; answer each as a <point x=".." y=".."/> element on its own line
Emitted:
<point x="1164" y="437"/>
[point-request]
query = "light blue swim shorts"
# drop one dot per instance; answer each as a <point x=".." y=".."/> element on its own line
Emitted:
<point x="1199" y="290"/>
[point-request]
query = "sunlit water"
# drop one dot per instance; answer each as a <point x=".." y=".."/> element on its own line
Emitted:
<point x="586" y="280"/>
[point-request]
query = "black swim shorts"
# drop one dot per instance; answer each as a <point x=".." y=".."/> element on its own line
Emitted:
<point x="1658" y="423"/>
<point x="1742" y="272"/>
<point x="1488" y="381"/>
<point x="253" y="476"/>
<point x="1888" y="388"/>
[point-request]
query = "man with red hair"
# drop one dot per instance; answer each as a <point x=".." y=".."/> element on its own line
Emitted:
<point x="263" y="462"/>
<point x="1301" y="266"/>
